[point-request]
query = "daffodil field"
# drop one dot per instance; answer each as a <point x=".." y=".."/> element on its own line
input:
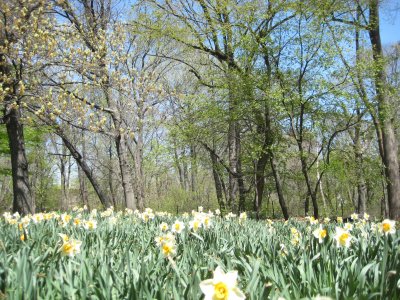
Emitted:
<point x="202" y="255"/>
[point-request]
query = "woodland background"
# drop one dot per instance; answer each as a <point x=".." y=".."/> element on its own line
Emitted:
<point x="280" y="108"/>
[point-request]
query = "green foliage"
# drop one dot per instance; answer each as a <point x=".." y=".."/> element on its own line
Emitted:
<point x="122" y="261"/>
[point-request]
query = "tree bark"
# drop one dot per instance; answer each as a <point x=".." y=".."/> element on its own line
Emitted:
<point x="217" y="181"/>
<point x="23" y="201"/>
<point x="390" y="143"/>
<point x="104" y="199"/>
<point x="139" y="166"/>
<point x="278" y="185"/>
<point x="125" y="171"/>
<point x="82" y="182"/>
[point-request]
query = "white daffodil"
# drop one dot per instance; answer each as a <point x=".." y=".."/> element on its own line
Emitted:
<point x="163" y="226"/>
<point x="222" y="286"/>
<point x="70" y="247"/>
<point x="342" y="237"/>
<point x="195" y="225"/>
<point x="388" y="226"/>
<point x="320" y="234"/>
<point x="177" y="227"/>
<point x="90" y="224"/>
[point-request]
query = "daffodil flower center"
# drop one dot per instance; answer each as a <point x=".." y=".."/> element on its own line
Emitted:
<point x="220" y="291"/>
<point x="386" y="227"/>
<point x="343" y="238"/>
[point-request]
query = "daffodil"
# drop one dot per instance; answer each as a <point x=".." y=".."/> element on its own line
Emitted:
<point x="206" y="221"/>
<point x="23" y="237"/>
<point x="169" y="237"/>
<point x="242" y="217"/>
<point x="70" y="247"/>
<point x="354" y="216"/>
<point x="77" y="221"/>
<point x="295" y="236"/>
<point x="320" y="234"/>
<point x="178" y="227"/>
<point x="90" y="224"/>
<point x="388" y="226"/>
<point x="222" y="286"/>
<point x="168" y="249"/>
<point x="163" y="226"/>
<point x="348" y="226"/>
<point x="195" y="225"/>
<point x="342" y="237"/>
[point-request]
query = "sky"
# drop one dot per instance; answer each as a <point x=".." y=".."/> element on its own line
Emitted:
<point x="390" y="21"/>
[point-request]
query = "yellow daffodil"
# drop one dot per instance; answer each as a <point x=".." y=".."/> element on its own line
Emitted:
<point x="354" y="216"/>
<point x="295" y="236"/>
<point x="23" y="237"/>
<point x="222" y="286"/>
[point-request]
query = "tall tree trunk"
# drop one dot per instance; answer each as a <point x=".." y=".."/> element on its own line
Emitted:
<point x="82" y="182"/>
<point x="260" y="182"/>
<point x="240" y="180"/>
<point x="63" y="177"/>
<point x="125" y="171"/>
<point x="361" y="184"/>
<point x="217" y="181"/>
<point x="389" y="139"/>
<point x="23" y="201"/>
<point x="139" y="166"/>
<point x="86" y="169"/>
<point x="278" y="185"/>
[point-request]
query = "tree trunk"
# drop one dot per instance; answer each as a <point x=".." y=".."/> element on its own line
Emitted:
<point x="82" y="182"/>
<point x="139" y="167"/>
<point x="278" y="185"/>
<point x="217" y="181"/>
<point x="22" y="201"/>
<point x="125" y="171"/>
<point x="239" y="175"/>
<point x="86" y="169"/>
<point x="390" y="144"/>
<point x="260" y="182"/>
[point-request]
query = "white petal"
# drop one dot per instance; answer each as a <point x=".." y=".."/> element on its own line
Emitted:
<point x="231" y="279"/>
<point x="207" y="288"/>
<point x="219" y="275"/>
